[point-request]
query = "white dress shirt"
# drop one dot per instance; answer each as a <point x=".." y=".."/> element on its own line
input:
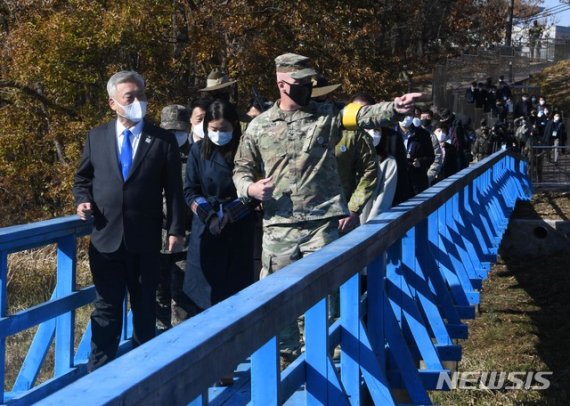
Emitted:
<point x="136" y="132"/>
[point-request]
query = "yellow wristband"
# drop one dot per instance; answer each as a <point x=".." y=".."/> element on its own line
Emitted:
<point x="349" y="115"/>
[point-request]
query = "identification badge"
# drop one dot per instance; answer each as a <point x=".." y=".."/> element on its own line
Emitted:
<point x="554" y="133"/>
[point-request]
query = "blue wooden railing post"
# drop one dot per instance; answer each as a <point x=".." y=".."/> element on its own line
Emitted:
<point x="425" y="281"/>
<point x="373" y="354"/>
<point x="64" y="328"/>
<point x="201" y="400"/>
<point x="323" y="383"/>
<point x="265" y="377"/>
<point x="428" y="252"/>
<point x="350" y="338"/>
<point x="425" y="259"/>
<point x="3" y="309"/>
<point x="376" y="280"/>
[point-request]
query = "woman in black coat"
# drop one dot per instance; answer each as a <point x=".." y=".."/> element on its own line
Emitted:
<point x="221" y="242"/>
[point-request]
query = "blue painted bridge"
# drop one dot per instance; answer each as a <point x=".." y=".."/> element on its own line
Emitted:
<point x="425" y="261"/>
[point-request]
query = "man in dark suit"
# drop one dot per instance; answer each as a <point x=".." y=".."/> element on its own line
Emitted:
<point x="126" y="165"/>
<point x="419" y="153"/>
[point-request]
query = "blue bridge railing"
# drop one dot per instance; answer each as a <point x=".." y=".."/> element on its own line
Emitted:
<point x="425" y="261"/>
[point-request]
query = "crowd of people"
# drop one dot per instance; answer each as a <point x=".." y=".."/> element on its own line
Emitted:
<point x="521" y="123"/>
<point x="278" y="181"/>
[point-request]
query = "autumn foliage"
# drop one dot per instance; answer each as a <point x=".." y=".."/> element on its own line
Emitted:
<point x="58" y="54"/>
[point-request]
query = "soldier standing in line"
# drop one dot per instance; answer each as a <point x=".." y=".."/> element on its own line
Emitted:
<point x="172" y="304"/>
<point x="534" y="34"/>
<point x="482" y="147"/>
<point x="356" y="160"/>
<point x="286" y="160"/>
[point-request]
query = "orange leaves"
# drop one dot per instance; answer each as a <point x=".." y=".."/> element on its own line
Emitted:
<point x="69" y="48"/>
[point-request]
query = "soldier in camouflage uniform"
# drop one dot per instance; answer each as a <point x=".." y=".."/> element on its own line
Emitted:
<point x="482" y="147"/>
<point x="356" y="160"/>
<point x="358" y="169"/>
<point x="172" y="305"/>
<point x="286" y="160"/>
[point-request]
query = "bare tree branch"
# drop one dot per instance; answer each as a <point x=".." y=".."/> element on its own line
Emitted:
<point x="38" y="96"/>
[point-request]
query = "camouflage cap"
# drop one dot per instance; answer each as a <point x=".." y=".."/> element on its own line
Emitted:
<point x="297" y="66"/>
<point x="175" y="117"/>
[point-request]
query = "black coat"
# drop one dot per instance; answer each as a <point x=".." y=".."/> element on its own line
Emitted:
<point x="131" y="210"/>
<point x="553" y="131"/>
<point x="226" y="260"/>
<point x="523" y="108"/>
<point x="419" y="147"/>
<point x="391" y="144"/>
<point x="450" y="164"/>
<point x="471" y="95"/>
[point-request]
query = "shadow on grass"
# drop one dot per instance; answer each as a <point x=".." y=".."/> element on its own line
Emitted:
<point x="546" y="280"/>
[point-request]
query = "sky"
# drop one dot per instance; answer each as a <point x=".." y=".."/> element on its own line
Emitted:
<point x="562" y="18"/>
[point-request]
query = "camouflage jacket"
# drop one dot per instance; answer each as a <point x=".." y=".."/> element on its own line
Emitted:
<point x="358" y="168"/>
<point x="297" y="150"/>
<point x="482" y="147"/>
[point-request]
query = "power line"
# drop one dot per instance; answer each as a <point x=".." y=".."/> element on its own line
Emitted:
<point x="549" y="12"/>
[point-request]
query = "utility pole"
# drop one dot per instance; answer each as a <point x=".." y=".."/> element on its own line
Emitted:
<point x="509" y="32"/>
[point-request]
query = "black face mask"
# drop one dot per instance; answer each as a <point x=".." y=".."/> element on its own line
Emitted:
<point x="426" y="122"/>
<point x="300" y="94"/>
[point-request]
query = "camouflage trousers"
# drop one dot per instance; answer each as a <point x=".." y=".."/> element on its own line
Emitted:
<point x="172" y="304"/>
<point x="286" y="243"/>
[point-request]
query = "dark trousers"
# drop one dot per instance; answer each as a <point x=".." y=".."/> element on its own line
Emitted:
<point x="172" y="305"/>
<point x="113" y="274"/>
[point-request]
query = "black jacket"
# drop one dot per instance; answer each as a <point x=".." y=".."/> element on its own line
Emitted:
<point x="131" y="210"/>
<point x="553" y="131"/>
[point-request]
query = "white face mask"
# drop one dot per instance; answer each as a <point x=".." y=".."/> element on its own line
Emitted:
<point x="134" y="112"/>
<point x="220" y="137"/>
<point x="416" y="122"/>
<point x="556" y="118"/>
<point x="541" y="102"/>
<point x="441" y="136"/>
<point x="181" y="137"/>
<point x="198" y="129"/>
<point x="376" y="136"/>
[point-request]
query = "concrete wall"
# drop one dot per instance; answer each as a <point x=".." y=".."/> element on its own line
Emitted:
<point x="536" y="238"/>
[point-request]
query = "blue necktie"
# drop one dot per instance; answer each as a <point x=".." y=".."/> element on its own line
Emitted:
<point x="126" y="155"/>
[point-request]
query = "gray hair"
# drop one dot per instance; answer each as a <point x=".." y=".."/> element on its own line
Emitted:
<point x="121" y="77"/>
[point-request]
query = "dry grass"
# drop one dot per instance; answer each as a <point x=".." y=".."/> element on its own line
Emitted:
<point x="551" y="205"/>
<point x="556" y="86"/>
<point x="523" y="323"/>
<point x="522" y="326"/>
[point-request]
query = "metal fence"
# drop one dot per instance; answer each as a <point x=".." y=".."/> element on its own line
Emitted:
<point x="548" y="49"/>
<point x="426" y="260"/>
<point x="549" y="168"/>
<point x="514" y="63"/>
